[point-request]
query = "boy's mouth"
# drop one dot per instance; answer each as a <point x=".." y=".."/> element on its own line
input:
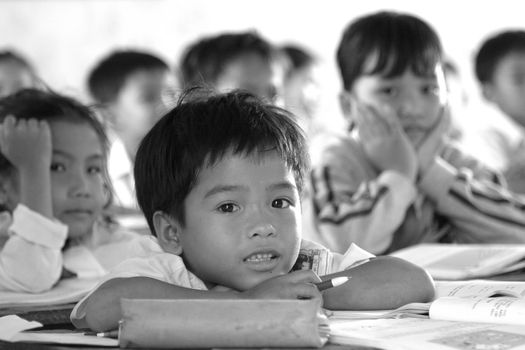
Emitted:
<point x="260" y="257"/>
<point x="262" y="261"/>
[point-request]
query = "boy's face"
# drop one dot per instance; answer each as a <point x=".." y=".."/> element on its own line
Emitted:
<point x="242" y="222"/>
<point x="140" y="102"/>
<point x="77" y="183"/>
<point x="249" y="72"/>
<point x="417" y="100"/>
<point x="507" y="89"/>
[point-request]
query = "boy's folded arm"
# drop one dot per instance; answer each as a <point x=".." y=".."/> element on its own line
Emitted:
<point x="102" y="308"/>
<point x="382" y="283"/>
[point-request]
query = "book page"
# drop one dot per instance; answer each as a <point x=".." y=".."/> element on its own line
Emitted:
<point x="462" y="261"/>
<point x="505" y="310"/>
<point x="479" y="289"/>
<point x="417" y="334"/>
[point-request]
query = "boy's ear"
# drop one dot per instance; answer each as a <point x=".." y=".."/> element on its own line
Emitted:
<point x="168" y="232"/>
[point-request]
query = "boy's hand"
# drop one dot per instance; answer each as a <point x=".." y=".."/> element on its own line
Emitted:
<point x="294" y="285"/>
<point x="384" y="141"/>
<point x="431" y="145"/>
<point x="26" y="143"/>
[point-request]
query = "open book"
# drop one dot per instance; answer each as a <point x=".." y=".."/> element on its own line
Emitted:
<point x="474" y="301"/>
<point x="222" y="323"/>
<point x="465" y="261"/>
<point x="428" y="334"/>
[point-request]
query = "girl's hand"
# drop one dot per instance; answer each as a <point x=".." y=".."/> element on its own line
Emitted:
<point x="26" y="143"/>
<point x="432" y="144"/>
<point x="384" y="140"/>
<point x="294" y="285"/>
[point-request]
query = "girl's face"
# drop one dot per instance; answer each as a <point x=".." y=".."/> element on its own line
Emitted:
<point x="77" y="182"/>
<point x="417" y="100"/>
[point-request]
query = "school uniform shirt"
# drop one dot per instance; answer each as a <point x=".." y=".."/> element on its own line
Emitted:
<point x="153" y="262"/>
<point x="33" y="259"/>
<point x="383" y="212"/>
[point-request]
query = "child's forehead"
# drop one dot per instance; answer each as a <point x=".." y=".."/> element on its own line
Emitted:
<point x="390" y="65"/>
<point x="256" y="156"/>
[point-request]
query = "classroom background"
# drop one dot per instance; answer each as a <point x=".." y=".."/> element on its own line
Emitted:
<point x="64" y="38"/>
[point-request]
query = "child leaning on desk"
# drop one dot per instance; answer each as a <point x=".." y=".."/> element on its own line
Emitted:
<point x="53" y="180"/>
<point x="219" y="180"/>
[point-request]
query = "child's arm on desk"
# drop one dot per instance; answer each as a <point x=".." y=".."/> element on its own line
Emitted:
<point x="382" y="283"/>
<point x="103" y="305"/>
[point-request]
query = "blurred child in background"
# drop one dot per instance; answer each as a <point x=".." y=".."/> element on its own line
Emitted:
<point x="391" y="181"/>
<point x="231" y="61"/>
<point x="301" y="90"/>
<point x="500" y="70"/>
<point x="129" y="87"/>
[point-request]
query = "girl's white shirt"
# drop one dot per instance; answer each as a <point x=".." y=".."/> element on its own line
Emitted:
<point x="32" y="259"/>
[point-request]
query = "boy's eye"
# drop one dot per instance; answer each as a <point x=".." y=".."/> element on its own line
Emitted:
<point x="58" y="167"/>
<point x="228" y="208"/>
<point x="281" y="203"/>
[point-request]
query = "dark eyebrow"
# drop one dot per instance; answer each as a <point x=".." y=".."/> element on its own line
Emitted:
<point x="285" y="185"/>
<point x="69" y="156"/>
<point x="224" y="188"/>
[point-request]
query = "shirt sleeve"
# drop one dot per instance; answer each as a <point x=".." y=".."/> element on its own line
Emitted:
<point x="479" y="211"/>
<point x="354" y="204"/>
<point x="165" y="267"/>
<point x="31" y="259"/>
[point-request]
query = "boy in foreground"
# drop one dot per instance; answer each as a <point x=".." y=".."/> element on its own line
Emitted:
<point x="219" y="180"/>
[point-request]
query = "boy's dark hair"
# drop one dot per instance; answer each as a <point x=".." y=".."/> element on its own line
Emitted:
<point x="49" y="106"/>
<point x="298" y="58"/>
<point x="203" y="61"/>
<point x="494" y="49"/>
<point x="198" y="133"/>
<point x="400" y="41"/>
<point x="109" y="75"/>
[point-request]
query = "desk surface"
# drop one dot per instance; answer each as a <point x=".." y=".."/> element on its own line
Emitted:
<point x="54" y="317"/>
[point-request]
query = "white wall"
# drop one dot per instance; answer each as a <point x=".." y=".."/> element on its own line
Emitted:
<point x="64" y="38"/>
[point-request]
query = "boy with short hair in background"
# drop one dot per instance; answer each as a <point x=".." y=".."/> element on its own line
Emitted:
<point x="129" y="87"/>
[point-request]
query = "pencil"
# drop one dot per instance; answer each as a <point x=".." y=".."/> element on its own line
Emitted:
<point x="109" y="334"/>
<point x="334" y="282"/>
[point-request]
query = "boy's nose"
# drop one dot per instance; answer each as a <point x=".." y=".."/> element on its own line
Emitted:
<point x="262" y="230"/>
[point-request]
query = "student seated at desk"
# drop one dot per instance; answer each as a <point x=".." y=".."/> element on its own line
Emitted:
<point x="219" y="180"/>
<point x="53" y="181"/>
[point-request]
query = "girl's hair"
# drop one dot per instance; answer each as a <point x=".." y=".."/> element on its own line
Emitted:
<point x="199" y="132"/>
<point x="49" y="106"/>
<point x="397" y="41"/>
